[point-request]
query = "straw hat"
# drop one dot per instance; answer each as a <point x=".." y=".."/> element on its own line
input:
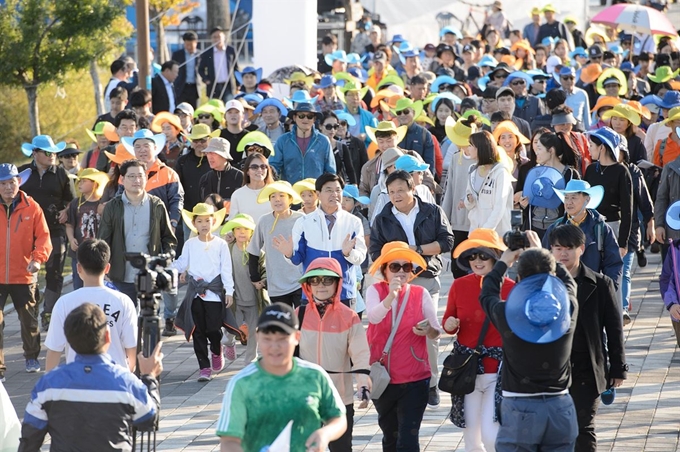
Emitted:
<point x="199" y="131"/>
<point x="280" y="186"/>
<point x="605" y="101"/>
<point x="595" y="30"/>
<point x="98" y="177"/>
<point x="103" y="128"/>
<point x="590" y="73"/>
<point x="204" y="209"/>
<point x="120" y="156"/>
<point x="387" y="126"/>
<point x="308" y="184"/>
<point x="640" y="109"/>
<point x="241" y="220"/>
<point x="609" y="74"/>
<point x="404" y="103"/>
<point x="509" y="126"/>
<point x="673" y="115"/>
<point x="397" y="250"/>
<point x="623" y="111"/>
<point x="165" y="116"/>
<point x="255" y="138"/>
<point x="663" y="74"/>
<point x="457" y="132"/>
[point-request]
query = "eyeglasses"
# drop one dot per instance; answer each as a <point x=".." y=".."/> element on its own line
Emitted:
<point x="518" y="83"/>
<point x="200" y="141"/>
<point x="331" y="126"/>
<point x="205" y="116"/>
<point x="258" y="167"/>
<point x="482" y="256"/>
<point x="395" y="268"/>
<point x="567" y="77"/>
<point x="325" y="280"/>
<point x="404" y="112"/>
<point x="305" y="115"/>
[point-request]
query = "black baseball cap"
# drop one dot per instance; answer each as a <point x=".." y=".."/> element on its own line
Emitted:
<point x="279" y="315"/>
<point x="594" y="51"/>
<point x="489" y="92"/>
<point x="473" y="73"/>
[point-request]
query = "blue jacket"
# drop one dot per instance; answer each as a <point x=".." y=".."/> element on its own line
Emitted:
<point x="365" y="119"/>
<point x="91" y="391"/>
<point x="311" y="240"/>
<point x="608" y="260"/>
<point x="293" y="166"/>
<point x="418" y="139"/>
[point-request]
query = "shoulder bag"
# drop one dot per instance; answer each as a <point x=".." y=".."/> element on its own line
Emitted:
<point x="460" y="371"/>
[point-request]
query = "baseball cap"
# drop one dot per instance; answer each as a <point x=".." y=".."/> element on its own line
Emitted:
<point x="280" y="315"/>
<point x="380" y="56"/>
<point x="473" y="73"/>
<point x="234" y="104"/>
<point x="594" y="51"/>
<point x="429" y="47"/>
<point x="505" y="91"/>
<point x="468" y="48"/>
<point x="186" y="108"/>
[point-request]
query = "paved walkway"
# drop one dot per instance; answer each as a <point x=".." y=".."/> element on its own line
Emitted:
<point x="644" y="416"/>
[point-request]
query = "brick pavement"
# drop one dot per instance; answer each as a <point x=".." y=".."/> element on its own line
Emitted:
<point x="644" y="416"/>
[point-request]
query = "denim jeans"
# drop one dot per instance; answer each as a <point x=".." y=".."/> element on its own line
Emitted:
<point x="545" y="423"/>
<point x="170" y="302"/>
<point x="400" y="412"/>
<point x="625" y="279"/>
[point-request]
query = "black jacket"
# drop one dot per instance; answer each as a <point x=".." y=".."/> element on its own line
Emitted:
<point x="358" y="154"/>
<point x="530" y="368"/>
<point x="431" y="225"/>
<point x="206" y="69"/>
<point x="224" y="183"/>
<point x="180" y="81"/>
<point x="344" y="164"/>
<point x="52" y="191"/>
<point x="159" y="95"/>
<point x="600" y="310"/>
<point x="190" y="170"/>
<point x="642" y="200"/>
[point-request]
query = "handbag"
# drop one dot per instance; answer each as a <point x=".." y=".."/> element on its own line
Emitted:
<point x="380" y="377"/>
<point x="460" y="371"/>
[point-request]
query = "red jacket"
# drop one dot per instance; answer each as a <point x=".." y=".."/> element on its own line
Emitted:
<point x="463" y="304"/>
<point x="24" y="237"/>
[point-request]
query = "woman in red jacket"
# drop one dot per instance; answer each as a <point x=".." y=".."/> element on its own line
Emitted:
<point x="475" y="412"/>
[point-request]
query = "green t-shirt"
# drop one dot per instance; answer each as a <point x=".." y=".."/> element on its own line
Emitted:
<point x="257" y="405"/>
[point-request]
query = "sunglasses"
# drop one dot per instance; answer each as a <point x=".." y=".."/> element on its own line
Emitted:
<point x="258" y="167"/>
<point x="502" y="76"/>
<point x="395" y="268"/>
<point x="331" y="126"/>
<point x="404" y="112"/>
<point x="205" y="116"/>
<point x="482" y="256"/>
<point x="518" y="83"/>
<point x="47" y="153"/>
<point x="325" y="280"/>
<point x="72" y="156"/>
<point x="568" y="77"/>
<point x="445" y="87"/>
<point x="305" y="116"/>
<point x="539" y="81"/>
<point x="343" y="123"/>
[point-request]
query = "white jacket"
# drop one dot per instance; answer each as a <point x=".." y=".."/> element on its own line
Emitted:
<point x="491" y="207"/>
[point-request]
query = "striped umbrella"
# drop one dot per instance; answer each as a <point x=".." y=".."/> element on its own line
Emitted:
<point x="636" y="19"/>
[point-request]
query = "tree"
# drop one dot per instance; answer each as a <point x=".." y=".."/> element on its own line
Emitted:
<point x="42" y="40"/>
<point x="162" y="14"/>
<point x="218" y="14"/>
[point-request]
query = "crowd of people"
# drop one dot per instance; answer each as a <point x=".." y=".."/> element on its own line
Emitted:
<point x="292" y="219"/>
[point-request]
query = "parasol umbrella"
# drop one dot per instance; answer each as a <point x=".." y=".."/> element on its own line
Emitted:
<point x="636" y="19"/>
<point x="280" y="74"/>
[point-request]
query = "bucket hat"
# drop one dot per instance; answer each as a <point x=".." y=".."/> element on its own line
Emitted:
<point x="487" y="61"/>
<point x="578" y="51"/>
<point x="42" y="143"/>
<point x="609" y="138"/>
<point x="256" y="138"/>
<point x="219" y="146"/>
<point x="271" y="102"/>
<point x="397" y="250"/>
<point x="280" y="186"/>
<point x="241" y="220"/>
<point x="390" y="157"/>
<point x="483" y="239"/>
<point x="673" y="216"/>
<point x="99" y="177"/>
<point x="9" y="171"/>
<point x="434" y="101"/>
<point x="595" y="193"/>
<point x="563" y="118"/>
<point x="304" y="108"/>
<point x="387" y="126"/>
<point x="103" y="128"/>
<point x="352" y="191"/>
<point x="410" y="164"/>
<point x="540" y="185"/>
<point x="203" y="209"/>
<point x="248" y="70"/>
<point x="538" y="309"/>
<point x="144" y="134"/>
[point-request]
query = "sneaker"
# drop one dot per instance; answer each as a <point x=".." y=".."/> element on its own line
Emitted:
<point x="655" y="248"/>
<point x="32" y="366"/>
<point x="626" y="318"/>
<point x="230" y="352"/>
<point x="433" y="398"/>
<point x="608" y="396"/>
<point x="641" y="258"/>
<point x="170" y="329"/>
<point x="45" y="320"/>
<point x="205" y="374"/>
<point x="217" y="362"/>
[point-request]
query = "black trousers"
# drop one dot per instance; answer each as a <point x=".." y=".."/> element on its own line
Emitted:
<point x="400" y="411"/>
<point x="23" y="297"/>
<point x="344" y="443"/>
<point x="54" y="267"/>
<point x="291" y="299"/>
<point x="189" y="94"/>
<point x="586" y="400"/>
<point x="207" y="317"/>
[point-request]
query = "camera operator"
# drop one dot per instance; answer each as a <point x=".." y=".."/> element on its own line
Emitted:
<point x="537" y="410"/>
<point x="91" y="403"/>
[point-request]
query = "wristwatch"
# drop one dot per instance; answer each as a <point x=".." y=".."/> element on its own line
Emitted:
<point x="419" y="249"/>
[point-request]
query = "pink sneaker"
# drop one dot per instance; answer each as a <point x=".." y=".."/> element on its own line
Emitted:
<point x="217" y="362"/>
<point x="230" y="352"/>
<point x="205" y="375"/>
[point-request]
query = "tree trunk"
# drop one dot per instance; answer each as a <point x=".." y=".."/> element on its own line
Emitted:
<point x="33" y="114"/>
<point x="218" y="15"/>
<point x="98" y="94"/>
<point x="162" y="54"/>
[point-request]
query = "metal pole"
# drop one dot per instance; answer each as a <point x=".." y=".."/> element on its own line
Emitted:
<point x="143" y="63"/>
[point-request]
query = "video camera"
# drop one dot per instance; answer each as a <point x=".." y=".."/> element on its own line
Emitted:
<point x="154" y="276"/>
<point x="516" y="239"/>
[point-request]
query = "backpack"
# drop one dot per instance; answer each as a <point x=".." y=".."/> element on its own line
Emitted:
<point x="600" y="235"/>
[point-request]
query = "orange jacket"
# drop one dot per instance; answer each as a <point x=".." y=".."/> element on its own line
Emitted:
<point x="25" y="237"/>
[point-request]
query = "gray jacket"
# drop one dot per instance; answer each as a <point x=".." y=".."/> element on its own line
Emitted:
<point x="666" y="195"/>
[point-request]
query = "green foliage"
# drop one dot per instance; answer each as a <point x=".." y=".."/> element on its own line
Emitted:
<point x="44" y="39"/>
